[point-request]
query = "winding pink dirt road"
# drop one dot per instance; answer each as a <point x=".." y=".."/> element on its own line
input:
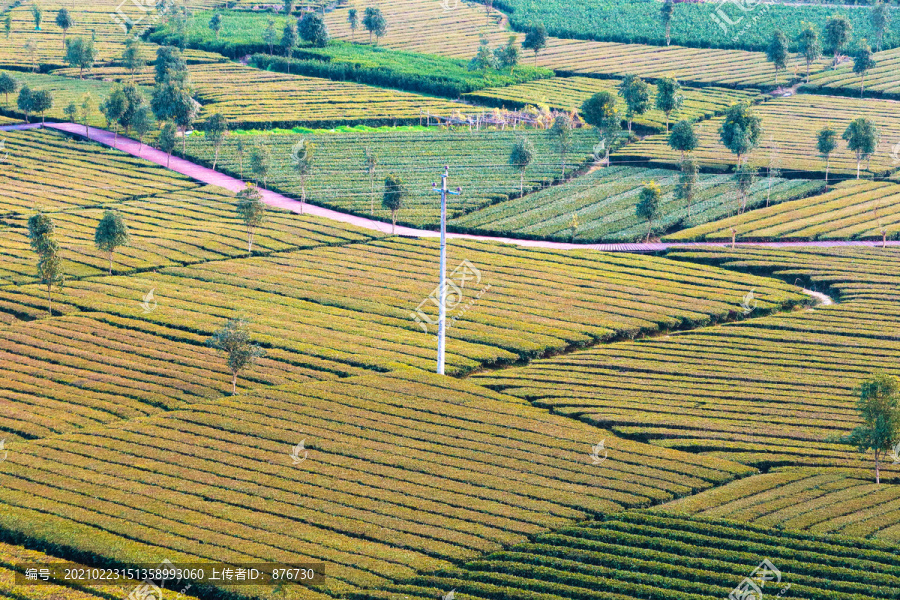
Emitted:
<point x="207" y="175"/>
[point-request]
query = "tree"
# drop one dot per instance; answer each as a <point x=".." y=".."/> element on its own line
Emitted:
<point x="375" y="23"/>
<point x="64" y="21"/>
<point x="71" y="112"/>
<point x="773" y="166"/>
<point x="143" y="123"/>
<point x="252" y="210"/>
<point x="8" y="86"/>
<point x="683" y="137"/>
<point x="80" y="54"/>
<point x="488" y="6"/>
<point x="862" y="62"/>
<point x="38" y="16"/>
<point x="600" y="112"/>
<point x="371" y="163"/>
<point x="484" y="58"/>
<point x="134" y="99"/>
<point x="665" y="15"/>
<point x="302" y="154"/>
<point x="86" y="110"/>
<point x="289" y="39"/>
<point x="520" y="157"/>
<point x="270" y="36"/>
<point x="880" y="19"/>
<point x="668" y="96"/>
<point x="240" y="148"/>
<point x="394" y="193"/>
<point x="215" y="24"/>
<point x="215" y="129"/>
<point x="234" y="340"/>
<point x="744" y="176"/>
<point x="43" y="242"/>
<point x="111" y="233"/>
<point x="289" y="7"/>
<point x="353" y="19"/>
<point x="508" y="56"/>
<point x="879" y="407"/>
<point x="7" y="24"/>
<point x="41" y="102"/>
<point x="133" y="57"/>
<point x="41" y="230"/>
<point x="261" y="163"/>
<point x="169" y="66"/>
<point x="777" y="52"/>
<point x="740" y="130"/>
<point x="826" y="143"/>
<point x="810" y="48"/>
<point x="636" y="94"/>
<point x="648" y="206"/>
<point x="535" y="40"/>
<point x="25" y="101"/>
<point x="167" y="141"/>
<point x="185" y="112"/>
<point x="113" y="108"/>
<point x="562" y="135"/>
<point x="313" y="30"/>
<point x="837" y="34"/>
<point x="688" y="178"/>
<point x="31" y="48"/>
<point x="861" y="136"/>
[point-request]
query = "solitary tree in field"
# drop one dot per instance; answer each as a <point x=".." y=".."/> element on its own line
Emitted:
<point x="31" y="48"/>
<point x="111" y="233"/>
<point x="879" y="407"/>
<point x="113" y="108"/>
<point x="394" y="194"/>
<point x="25" y="101"/>
<point x="535" y="40"/>
<point x="270" y="36"/>
<point x="777" y="52"/>
<point x="744" y="176"/>
<point x="648" y="206"/>
<point x="683" y="137"/>
<point x="86" y="110"/>
<point x="665" y="15"/>
<point x="43" y="242"/>
<point x="235" y="341"/>
<point x="312" y="30"/>
<point x="41" y="102"/>
<point x="8" y="86"/>
<point x="169" y="66"/>
<point x="71" y="112"/>
<point x="880" y="19"/>
<point x="215" y="24"/>
<point x="142" y="123"/>
<point x="80" y="54"/>
<point x="563" y="139"/>
<point x="600" y="112"/>
<point x="488" y="7"/>
<point x="7" y="24"/>
<point x="809" y="45"/>
<point x="64" y="21"/>
<point x="740" y="130"/>
<point x="668" y="97"/>
<point x="520" y="157"/>
<point x="252" y="210"/>
<point x="375" y="23"/>
<point x="861" y="136"/>
<point x="862" y="62"/>
<point x="133" y="57"/>
<point x="371" y="164"/>
<point x="773" y="166"/>
<point x="239" y="148"/>
<point x="353" y="19"/>
<point x="167" y="140"/>
<point x="289" y="39"/>
<point x="837" y="34"/>
<point x="261" y="163"/>
<point x="185" y="111"/>
<point x="38" y="16"/>
<point x="215" y="128"/>
<point x="636" y="94"/>
<point x="302" y="154"/>
<point x="826" y="143"/>
<point x="688" y="178"/>
<point x="41" y="231"/>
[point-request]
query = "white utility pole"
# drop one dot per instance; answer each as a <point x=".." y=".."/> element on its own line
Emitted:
<point x="442" y="318"/>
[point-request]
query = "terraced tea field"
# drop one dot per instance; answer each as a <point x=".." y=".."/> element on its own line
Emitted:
<point x="339" y="179"/>
<point x="656" y="556"/>
<point x="361" y="498"/>
<point x="605" y="202"/>
<point x="880" y="80"/>
<point x="64" y="91"/>
<point x="791" y="124"/>
<point x="851" y="210"/>
<point x="569" y="93"/>
<point x="820" y="501"/>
